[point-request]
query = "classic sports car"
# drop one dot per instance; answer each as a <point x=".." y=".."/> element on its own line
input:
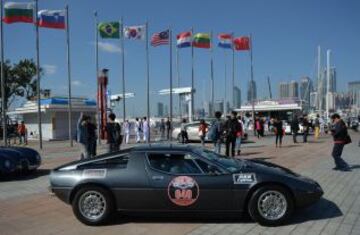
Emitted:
<point x="180" y="178"/>
<point x="18" y="159"/>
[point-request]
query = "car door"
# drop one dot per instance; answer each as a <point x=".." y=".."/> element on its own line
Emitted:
<point x="181" y="184"/>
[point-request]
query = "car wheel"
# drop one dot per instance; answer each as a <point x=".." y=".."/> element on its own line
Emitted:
<point x="271" y="205"/>
<point x="93" y="205"/>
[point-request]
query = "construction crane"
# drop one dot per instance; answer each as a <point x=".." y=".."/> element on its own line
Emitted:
<point x="269" y="85"/>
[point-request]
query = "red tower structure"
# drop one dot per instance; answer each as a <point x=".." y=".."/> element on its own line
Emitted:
<point x="102" y="101"/>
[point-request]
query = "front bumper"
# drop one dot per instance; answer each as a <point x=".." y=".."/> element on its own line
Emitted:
<point x="304" y="199"/>
<point x="63" y="193"/>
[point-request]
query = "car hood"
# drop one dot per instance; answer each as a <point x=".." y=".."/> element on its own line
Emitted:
<point x="263" y="166"/>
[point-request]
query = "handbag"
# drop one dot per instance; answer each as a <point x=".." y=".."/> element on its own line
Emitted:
<point x="347" y="139"/>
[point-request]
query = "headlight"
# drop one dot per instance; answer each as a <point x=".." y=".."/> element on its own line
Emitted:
<point x="7" y="163"/>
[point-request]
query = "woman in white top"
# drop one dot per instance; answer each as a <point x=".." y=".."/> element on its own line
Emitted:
<point x="127" y="131"/>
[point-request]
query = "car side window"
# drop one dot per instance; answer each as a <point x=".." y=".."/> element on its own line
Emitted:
<point x="208" y="168"/>
<point x="119" y="162"/>
<point x="173" y="163"/>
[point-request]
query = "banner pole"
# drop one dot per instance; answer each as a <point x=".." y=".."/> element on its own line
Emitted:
<point x="3" y="82"/>
<point x="38" y="74"/>
<point x="69" y="74"/>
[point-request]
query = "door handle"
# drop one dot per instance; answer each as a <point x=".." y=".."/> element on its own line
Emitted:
<point x="157" y="177"/>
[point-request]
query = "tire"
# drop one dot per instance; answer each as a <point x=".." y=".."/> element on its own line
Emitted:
<point x="103" y="199"/>
<point x="259" y="200"/>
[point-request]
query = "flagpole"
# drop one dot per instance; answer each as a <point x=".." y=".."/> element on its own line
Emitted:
<point x="233" y="73"/>
<point x="252" y="84"/>
<point x="123" y="67"/>
<point x="225" y="98"/>
<point x="147" y="79"/>
<point x="97" y="74"/>
<point x="178" y="78"/>
<point x="3" y="101"/>
<point x="192" y="76"/>
<point x="38" y="74"/>
<point x="171" y="81"/>
<point x="69" y="74"/>
<point x="212" y="75"/>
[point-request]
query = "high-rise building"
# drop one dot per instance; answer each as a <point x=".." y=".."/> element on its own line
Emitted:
<point x="354" y="91"/>
<point x="306" y="88"/>
<point x="160" y="109"/>
<point x="219" y="106"/>
<point x="283" y="90"/>
<point x="251" y="92"/>
<point x="314" y="102"/>
<point x="294" y="89"/>
<point x="237" y="97"/>
<point x="322" y="87"/>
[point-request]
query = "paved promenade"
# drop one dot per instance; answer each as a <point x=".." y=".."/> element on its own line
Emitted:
<point x="26" y="207"/>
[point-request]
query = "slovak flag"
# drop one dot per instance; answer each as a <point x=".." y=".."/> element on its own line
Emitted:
<point x="54" y="19"/>
<point x="184" y="39"/>
<point x="225" y="40"/>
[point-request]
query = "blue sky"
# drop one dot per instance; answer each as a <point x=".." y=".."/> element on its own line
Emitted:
<point x="285" y="37"/>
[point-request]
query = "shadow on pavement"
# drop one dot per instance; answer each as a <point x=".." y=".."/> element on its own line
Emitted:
<point x="323" y="209"/>
<point x="18" y="176"/>
<point x="249" y="153"/>
<point x="352" y="167"/>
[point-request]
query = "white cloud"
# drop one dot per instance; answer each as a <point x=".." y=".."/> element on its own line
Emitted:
<point x="109" y="47"/>
<point x="76" y="83"/>
<point x="49" y="69"/>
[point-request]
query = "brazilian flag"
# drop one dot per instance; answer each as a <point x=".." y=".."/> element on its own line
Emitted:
<point x="109" y="29"/>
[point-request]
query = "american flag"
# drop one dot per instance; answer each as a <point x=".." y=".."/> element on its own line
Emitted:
<point x="161" y="38"/>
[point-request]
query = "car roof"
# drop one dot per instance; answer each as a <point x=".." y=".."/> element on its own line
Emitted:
<point x="164" y="147"/>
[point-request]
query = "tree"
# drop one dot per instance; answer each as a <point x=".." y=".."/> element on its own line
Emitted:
<point x="20" y="80"/>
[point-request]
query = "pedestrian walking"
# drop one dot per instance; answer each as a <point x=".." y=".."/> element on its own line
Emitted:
<point x="341" y="138"/>
<point x="184" y="134"/>
<point x="231" y="129"/>
<point x="258" y="127"/>
<point x="239" y="136"/>
<point x="162" y="129"/>
<point x="279" y="132"/>
<point x="137" y="130"/>
<point x="317" y="127"/>
<point x="146" y="130"/>
<point x="21" y="130"/>
<point x="127" y="131"/>
<point x="203" y="129"/>
<point x="92" y="137"/>
<point x="306" y="128"/>
<point x="113" y="130"/>
<point x="83" y="136"/>
<point x="215" y="132"/>
<point x="295" y="128"/>
<point x="168" y="128"/>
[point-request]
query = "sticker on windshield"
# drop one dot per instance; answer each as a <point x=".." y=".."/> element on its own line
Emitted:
<point x="244" y="178"/>
<point x="183" y="191"/>
<point x="94" y="173"/>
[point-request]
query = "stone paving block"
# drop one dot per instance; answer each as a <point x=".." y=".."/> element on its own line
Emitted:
<point x="344" y="229"/>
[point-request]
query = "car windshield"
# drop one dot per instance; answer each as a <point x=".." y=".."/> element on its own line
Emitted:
<point x="231" y="164"/>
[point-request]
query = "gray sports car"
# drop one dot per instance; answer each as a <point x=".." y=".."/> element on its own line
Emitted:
<point x="178" y="178"/>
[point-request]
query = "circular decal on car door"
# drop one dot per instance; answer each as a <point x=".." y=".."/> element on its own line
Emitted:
<point x="183" y="190"/>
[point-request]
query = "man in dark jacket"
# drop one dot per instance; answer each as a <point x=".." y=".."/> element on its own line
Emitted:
<point x="294" y="128"/>
<point x="340" y="135"/>
<point x="113" y="131"/>
<point x="232" y="126"/>
<point x="306" y="127"/>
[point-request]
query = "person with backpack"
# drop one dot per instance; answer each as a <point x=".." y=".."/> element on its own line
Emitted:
<point x="341" y="138"/>
<point x="231" y="129"/>
<point x="215" y="132"/>
<point x="113" y="130"/>
<point x="317" y="127"/>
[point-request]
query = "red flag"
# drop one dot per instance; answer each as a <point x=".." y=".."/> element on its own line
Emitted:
<point x="242" y="43"/>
